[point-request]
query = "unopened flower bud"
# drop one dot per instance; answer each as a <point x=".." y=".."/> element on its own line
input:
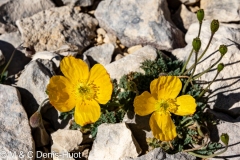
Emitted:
<point x="196" y="44"/>
<point x="225" y="138"/>
<point x="220" y="67"/>
<point x="200" y="15"/>
<point x="35" y="120"/>
<point x="223" y="49"/>
<point x="214" y="25"/>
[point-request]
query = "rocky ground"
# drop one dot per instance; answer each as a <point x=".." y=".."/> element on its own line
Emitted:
<point x="120" y="35"/>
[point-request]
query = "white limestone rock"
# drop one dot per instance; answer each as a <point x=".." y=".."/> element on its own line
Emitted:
<point x="131" y="63"/>
<point x="12" y="10"/>
<point x="57" y="27"/>
<point x="66" y="140"/>
<point x="145" y="22"/>
<point x="101" y="54"/>
<point x="224" y="11"/>
<point x="15" y="135"/>
<point x="114" y="142"/>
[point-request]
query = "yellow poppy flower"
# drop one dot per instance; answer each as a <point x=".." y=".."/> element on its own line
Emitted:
<point x="161" y="102"/>
<point x="81" y="89"/>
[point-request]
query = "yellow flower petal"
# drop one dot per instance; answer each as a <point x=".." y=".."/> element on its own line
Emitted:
<point x="186" y="105"/>
<point x="101" y="79"/>
<point x="166" y="87"/>
<point x="162" y="126"/>
<point x="74" y="69"/>
<point x="60" y="93"/>
<point x="144" y="104"/>
<point x="87" y="112"/>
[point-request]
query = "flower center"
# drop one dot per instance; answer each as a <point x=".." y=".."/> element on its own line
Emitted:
<point x="87" y="91"/>
<point x="166" y="106"/>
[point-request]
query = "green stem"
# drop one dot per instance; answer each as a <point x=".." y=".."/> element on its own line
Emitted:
<point x="210" y="156"/>
<point x="9" y="61"/>
<point x="41" y="105"/>
<point x="200" y="74"/>
<point x="186" y="119"/>
<point x="200" y="26"/>
<point x="185" y="64"/>
<point x="200" y="57"/>
<point x="204" y="91"/>
<point x="190" y="78"/>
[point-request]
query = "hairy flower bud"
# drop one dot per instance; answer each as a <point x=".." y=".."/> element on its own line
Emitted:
<point x="224" y="138"/>
<point x="214" y="25"/>
<point x="196" y="44"/>
<point x="223" y="49"/>
<point x="35" y="120"/>
<point x="220" y="67"/>
<point x="200" y="15"/>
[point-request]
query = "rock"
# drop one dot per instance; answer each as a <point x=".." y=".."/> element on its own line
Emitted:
<point x="3" y="2"/>
<point x="114" y="142"/>
<point x="66" y="140"/>
<point x="101" y="54"/>
<point x="225" y="90"/>
<point x="159" y="154"/>
<point x="131" y="63"/>
<point x="118" y="56"/>
<point x="82" y="3"/>
<point x="189" y="2"/>
<point x="100" y="39"/>
<point x="6" y="28"/>
<point x="134" y="49"/>
<point x="15" y="132"/>
<point x="183" y="18"/>
<point x="133" y="24"/>
<point x="33" y="82"/>
<point x="18" y="9"/>
<point x="2" y="58"/>
<point x="224" y="11"/>
<point x="101" y="31"/>
<point x="49" y="56"/>
<point x="110" y="38"/>
<point x="139" y="125"/>
<point x="8" y="42"/>
<point x="51" y="29"/>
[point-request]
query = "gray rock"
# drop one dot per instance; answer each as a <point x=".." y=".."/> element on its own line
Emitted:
<point x="17" y="9"/>
<point x="33" y="82"/>
<point x="159" y="154"/>
<point x="114" y="142"/>
<point x="139" y="125"/>
<point x="145" y="22"/>
<point x="15" y="135"/>
<point x="224" y="11"/>
<point x="82" y="3"/>
<point x="49" y="56"/>
<point x="183" y="18"/>
<point x="6" y="28"/>
<point x="66" y="140"/>
<point x="101" y="54"/>
<point x="3" y="2"/>
<point x="131" y="63"/>
<point x="51" y="29"/>
<point x="8" y="42"/>
<point x="225" y="90"/>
